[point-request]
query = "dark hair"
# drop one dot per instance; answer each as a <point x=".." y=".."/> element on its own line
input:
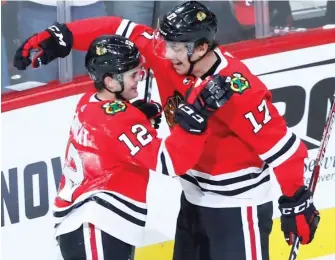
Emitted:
<point x="100" y="85"/>
<point x="211" y="45"/>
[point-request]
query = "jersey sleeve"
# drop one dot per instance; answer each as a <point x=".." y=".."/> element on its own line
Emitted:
<point x="251" y="115"/>
<point x="137" y="143"/>
<point x="86" y="30"/>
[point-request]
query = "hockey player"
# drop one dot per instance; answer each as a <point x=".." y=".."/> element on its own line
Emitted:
<point x="226" y="206"/>
<point x="100" y="207"/>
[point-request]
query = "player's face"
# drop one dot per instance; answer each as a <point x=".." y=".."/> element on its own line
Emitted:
<point x="176" y="53"/>
<point x="130" y="81"/>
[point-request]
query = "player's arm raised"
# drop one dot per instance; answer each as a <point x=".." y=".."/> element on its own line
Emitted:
<point x="58" y="40"/>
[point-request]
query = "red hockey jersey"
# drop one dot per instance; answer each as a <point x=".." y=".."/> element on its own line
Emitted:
<point x="111" y="148"/>
<point x="248" y="138"/>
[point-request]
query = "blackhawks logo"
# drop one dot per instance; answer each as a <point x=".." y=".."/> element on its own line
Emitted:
<point x="114" y="107"/>
<point x="170" y="107"/>
<point x="201" y="16"/>
<point x="238" y="83"/>
<point x="100" y="50"/>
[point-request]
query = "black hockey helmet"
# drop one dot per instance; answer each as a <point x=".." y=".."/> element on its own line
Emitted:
<point x="191" y="23"/>
<point x="188" y="22"/>
<point x="111" y="55"/>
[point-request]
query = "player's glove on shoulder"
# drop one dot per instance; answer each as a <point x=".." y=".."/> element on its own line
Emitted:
<point x="152" y="110"/>
<point x="212" y="93"/>
<point x="55" y="42"/>
<point x="201" y="102"/>
<point x="299" y="216"/>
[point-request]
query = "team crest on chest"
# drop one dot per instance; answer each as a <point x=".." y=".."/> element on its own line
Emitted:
<point x="170" y="107"/>
<point x="238" y="83"/>
<point x="115" y="107"/>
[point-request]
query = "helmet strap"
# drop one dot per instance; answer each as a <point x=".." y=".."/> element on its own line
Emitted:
<point x="118" y="94"/>
<point x="190" y="50"/>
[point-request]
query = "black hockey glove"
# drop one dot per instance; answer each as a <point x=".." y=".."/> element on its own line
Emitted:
<point x="152" y="110"/>
<point x="55" y="42"/>
<point x="299" y="216"/>
<point x="212" y="93"/>
<point x="190" y="120"/>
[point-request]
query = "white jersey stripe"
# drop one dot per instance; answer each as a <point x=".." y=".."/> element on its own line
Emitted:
<point x="228" y="175"/>
<point x="164" y="162"/>
<point x="121" y="206"/>
<point x="169" y="163"/>
<point x="87" y="240"/>
<point x="234" y="186"/>
<point x="90" y="194"/>
<point x="123" y="25"/>
<point x="287" y="154"/>
<point x="276" y="148"/>
<point x="246" y="233"/>
<point x="130" y="29"/>
<point x="98" y="239"/>
<point x="116" y="224"/>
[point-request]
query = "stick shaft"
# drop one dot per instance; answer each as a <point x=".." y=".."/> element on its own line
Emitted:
<point x="316" y="171"/>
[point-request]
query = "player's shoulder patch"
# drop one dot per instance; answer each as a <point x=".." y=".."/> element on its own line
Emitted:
<point x="112" y="108"/>
<point x="238" y="83"/>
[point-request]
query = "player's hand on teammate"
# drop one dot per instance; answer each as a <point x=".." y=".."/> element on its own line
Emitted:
<point x="299" y="216"/>
<point x="201" y="102"/>
<point x="189" y="119"/>
<point x="212" y="93"/>
<point x="152" y="110"/>
<point x="42" y="48"/>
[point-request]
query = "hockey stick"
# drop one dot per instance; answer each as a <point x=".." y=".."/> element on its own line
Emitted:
<point x="316" y="171"/>
<point x="148" y="81"/>
<point x="148" y="86"/>
<point x="148" y="89"/>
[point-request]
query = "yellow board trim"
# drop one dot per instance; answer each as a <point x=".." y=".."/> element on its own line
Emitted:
<point x="322" y="245"/>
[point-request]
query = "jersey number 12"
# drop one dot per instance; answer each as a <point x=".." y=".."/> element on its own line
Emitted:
<point x="142" y="136"/>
